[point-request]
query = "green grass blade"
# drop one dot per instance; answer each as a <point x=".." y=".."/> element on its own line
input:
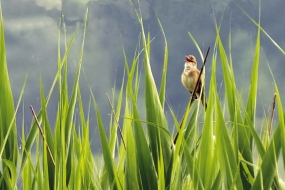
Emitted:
<point x="48" y="138"/>
<point x="146" y="167"/>
<point x="282" y="124"/>
<point x="132" y="179"/>
<point x="241" y="135"/>
<point x="226" y="154"/>
<point x="161" y="173"/>
<point x="12" y="123"/>
<point x="8" y="128"/>
<point x="164" y="70"/>
<point x="191" y="132"/>
<point x="131" y="170"/>
<point x="192" y="169"/>
<point x="71" y="107"/>
<point x="206" y="152"/>
<point x="258" y="25"/>
<point x="265" y="176"/>
<point x="154" y="110"/>
<point x="12" y="172"/>
<point x="108" y="159"/>
<point x="9" y="177"/>
<point x="281" y="120"/>
<point x="34" y="129"/>
<point x="197" y="45"/>
<point x="252" y="95"/>
<point x="218" y="181"/>
<point x="46" y="180"/>
<point x="115" y="128"/>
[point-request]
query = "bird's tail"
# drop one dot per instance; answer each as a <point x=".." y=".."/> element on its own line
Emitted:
<point x="203" y="99"/>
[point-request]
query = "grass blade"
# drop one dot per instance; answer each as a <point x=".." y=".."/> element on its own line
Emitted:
<point x="146" y="168"/>
<point x="8" y="134"/>
<point x="108" y="159"/>
<point x="164" y="70"/>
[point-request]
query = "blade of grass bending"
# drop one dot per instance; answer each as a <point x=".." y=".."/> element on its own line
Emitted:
<point x="108" y="159"/>
<point x="154" y="109"/>
<point x="190" y="128"/>
<point x="180" y="138"/>
<point x="235" y="130"/>
<point x="217" y="184"/>
<point x="258" y="25"/>
<point x="252" y="95"/>
<point x="146" y="167"/>
<point x="132" y="176"/>
<point x="229" y="167"/>
<point x="12" y="176"/>
<point x="134" y="71"/>
<point x="115" y="126"/>
<point x="241" y="135"/>
<point x="192" y="168"/>
<point x="197" y="46"/>
<point x="175" y="120"/>
<point x="132" y="179"/>
<point x="268" y="168"/>
<point x="116" y="119"/>
<point x="277" y="145"/>
<point x="227" y="157"/>
<point x="251" y="101"/>
<point x="191" y="131"/>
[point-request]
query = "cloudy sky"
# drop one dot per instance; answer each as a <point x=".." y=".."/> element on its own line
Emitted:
<point x="31" y="32"/>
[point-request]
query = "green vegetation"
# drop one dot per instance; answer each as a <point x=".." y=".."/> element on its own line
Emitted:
<point x="219" y="157"/>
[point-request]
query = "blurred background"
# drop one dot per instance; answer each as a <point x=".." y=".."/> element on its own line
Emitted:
<point x="31" y="33"/>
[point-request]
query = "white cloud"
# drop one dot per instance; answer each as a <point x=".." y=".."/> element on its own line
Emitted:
<point x="49" y="4"/>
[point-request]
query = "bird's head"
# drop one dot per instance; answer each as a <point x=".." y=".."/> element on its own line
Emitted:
<point x="190" y="61"/>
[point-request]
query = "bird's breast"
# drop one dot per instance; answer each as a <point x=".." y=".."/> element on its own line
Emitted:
<point x="188" y="81"/>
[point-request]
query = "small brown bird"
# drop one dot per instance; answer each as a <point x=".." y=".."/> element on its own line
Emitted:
<point x="190" y="76"/>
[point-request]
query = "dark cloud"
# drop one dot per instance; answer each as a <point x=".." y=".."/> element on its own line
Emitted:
<point x="32" y="29"/>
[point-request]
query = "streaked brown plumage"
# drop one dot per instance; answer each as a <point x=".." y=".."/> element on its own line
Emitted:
<point x="190" y="77"/>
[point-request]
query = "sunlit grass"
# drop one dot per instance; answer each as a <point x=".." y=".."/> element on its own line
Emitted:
<point x="219" y="157"/>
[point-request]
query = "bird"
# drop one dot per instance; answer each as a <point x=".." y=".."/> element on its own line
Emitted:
<point x="190" y="77"/>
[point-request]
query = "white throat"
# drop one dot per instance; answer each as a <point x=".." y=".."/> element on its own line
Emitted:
<point x="189" y="66"/>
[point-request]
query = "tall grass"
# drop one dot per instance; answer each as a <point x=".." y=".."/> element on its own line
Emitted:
<point x="219" y="157"/>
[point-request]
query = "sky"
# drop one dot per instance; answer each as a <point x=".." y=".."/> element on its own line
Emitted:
<point x="31" y="34"/>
